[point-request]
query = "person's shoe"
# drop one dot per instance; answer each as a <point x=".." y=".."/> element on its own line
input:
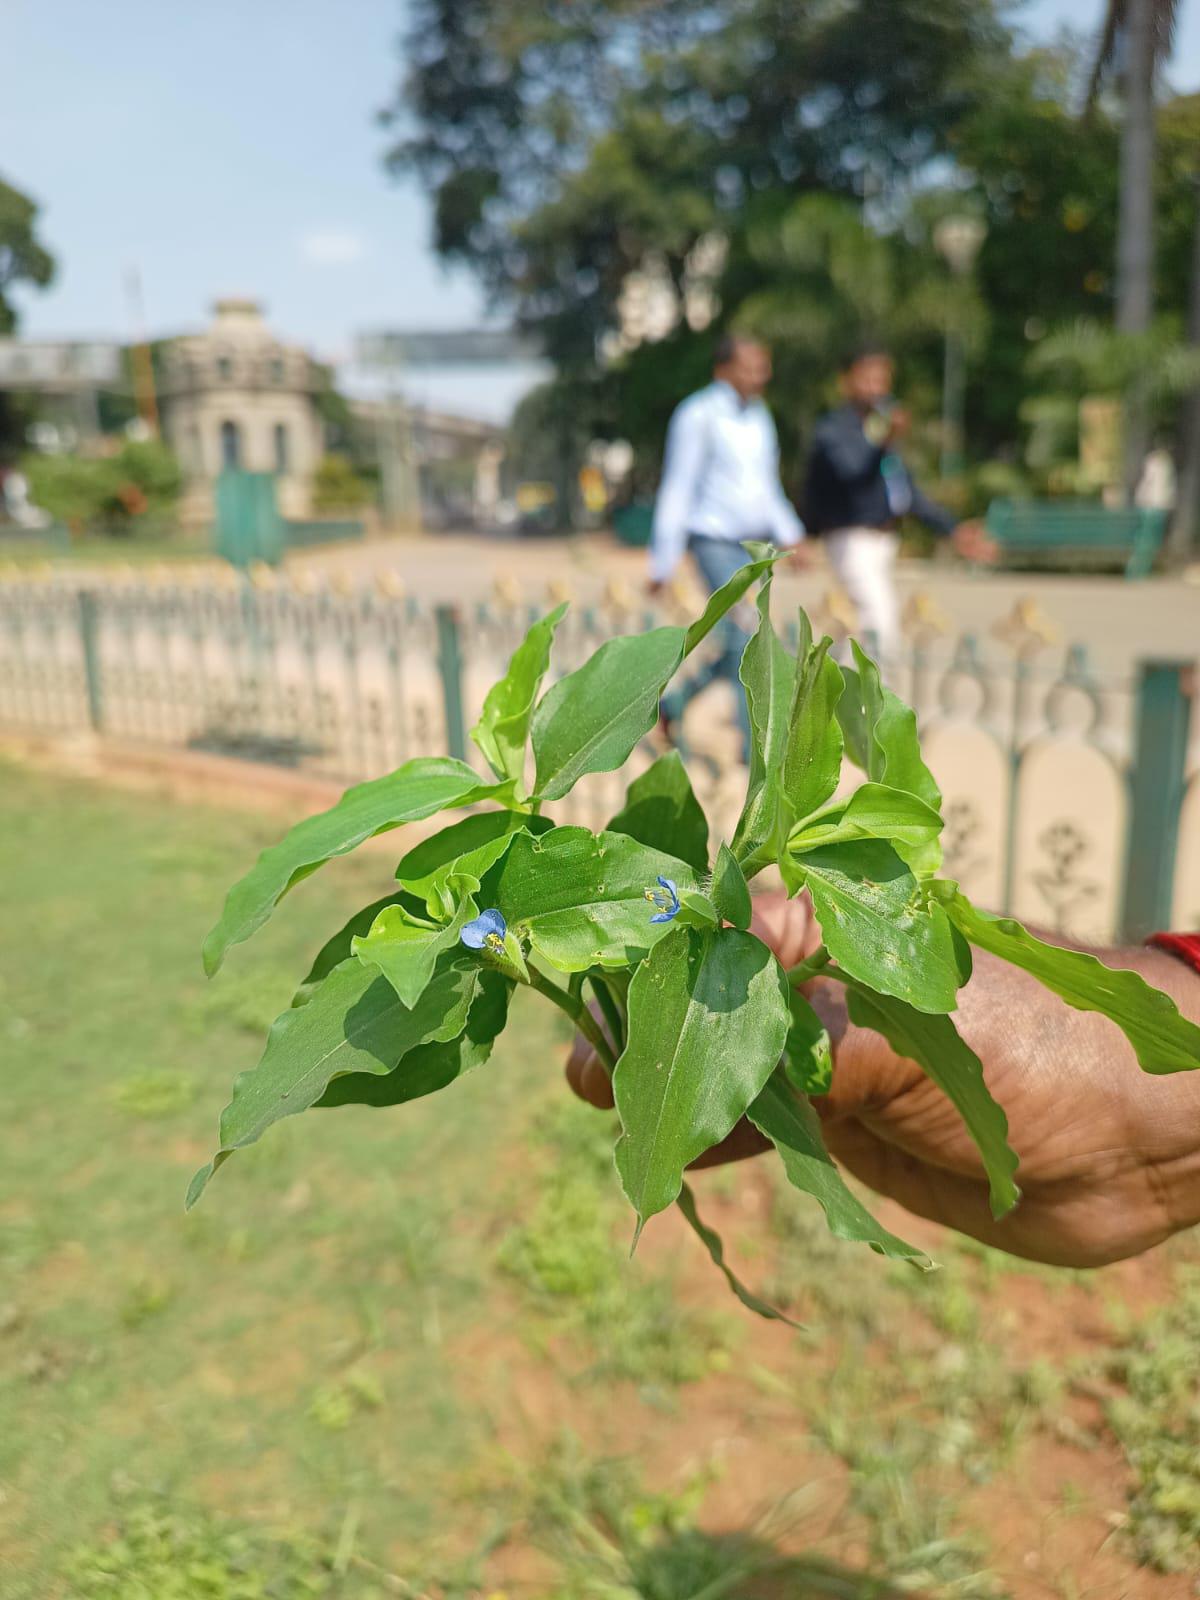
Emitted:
<point x="668" y="728"/>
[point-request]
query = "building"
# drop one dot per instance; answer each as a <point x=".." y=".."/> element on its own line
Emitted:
<point x="236" y="396"/>
<point x="444" y="466"/>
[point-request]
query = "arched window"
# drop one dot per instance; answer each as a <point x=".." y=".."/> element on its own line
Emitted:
<point x="231" y="446"/>
<point x="224" y="369"/>
<point x="281" y="447"/>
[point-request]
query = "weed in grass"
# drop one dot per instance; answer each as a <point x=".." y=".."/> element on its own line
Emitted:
<point x="154" y="1094"/>
<point x="1157" y="1421"/>
<point x="159" y="1552"/>
<point x="335" y="1405"/>
<point x="568" y="1254"/>
<point x="145" y="1299"/>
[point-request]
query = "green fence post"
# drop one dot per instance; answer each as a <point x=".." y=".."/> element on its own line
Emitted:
<point x="450" y="664"/>
<point x="90" y="641"/>
<point x="1157" y="785"/>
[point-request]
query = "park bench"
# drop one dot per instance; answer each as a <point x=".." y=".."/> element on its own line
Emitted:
<point x="1076" y="532"/>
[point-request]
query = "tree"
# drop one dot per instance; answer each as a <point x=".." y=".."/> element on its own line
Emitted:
<point x="562" y="142"/>
<point x="23" y="259"/>
<point x="1139" y="33"/>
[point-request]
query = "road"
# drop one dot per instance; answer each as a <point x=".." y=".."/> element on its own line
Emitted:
<point x="1118" y="621"/>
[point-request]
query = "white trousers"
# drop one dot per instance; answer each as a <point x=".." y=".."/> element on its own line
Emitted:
<point x="864" y="563"/>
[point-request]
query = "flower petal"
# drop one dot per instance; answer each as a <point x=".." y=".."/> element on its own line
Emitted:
<point x="487" y="924"/>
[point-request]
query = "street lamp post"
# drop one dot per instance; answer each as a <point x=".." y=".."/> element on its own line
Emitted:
<point x="957" y="239"/>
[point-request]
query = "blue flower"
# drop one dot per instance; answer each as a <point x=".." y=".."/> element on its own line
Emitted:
<point x="486" y="932"/>
<point x="665" y="900"/>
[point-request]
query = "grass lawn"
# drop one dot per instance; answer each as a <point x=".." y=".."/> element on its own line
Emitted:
<point x="103" y="549"/>
<point x="403" y="1352"/>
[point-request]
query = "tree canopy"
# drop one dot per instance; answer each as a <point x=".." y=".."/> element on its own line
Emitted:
<point x="23" y="259"/>
<point x="571" y="147"/>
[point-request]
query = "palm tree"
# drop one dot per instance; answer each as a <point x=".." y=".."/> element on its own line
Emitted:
<point x="1136" y="36"/>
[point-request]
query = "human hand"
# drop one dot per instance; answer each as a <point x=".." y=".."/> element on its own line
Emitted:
<point x="801" y="557"/>
<point x="974" y="543"/>
<point x="899" y="425"/>
<point x="1110" y="1158"/>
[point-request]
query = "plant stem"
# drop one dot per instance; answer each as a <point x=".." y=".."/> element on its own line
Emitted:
<point x="611" y="1010"/>
<point x="578" y="1013"/>
<point x="804" y="970"/>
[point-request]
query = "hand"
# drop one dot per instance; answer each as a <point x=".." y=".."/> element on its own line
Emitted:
<point x="1110" y="1157"/>
<point x="899" y="425"/>
<point x="801" y="557"/>
<point x="974" y="543"/>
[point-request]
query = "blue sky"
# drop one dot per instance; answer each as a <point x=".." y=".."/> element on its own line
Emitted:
<point x="232" y="148"/>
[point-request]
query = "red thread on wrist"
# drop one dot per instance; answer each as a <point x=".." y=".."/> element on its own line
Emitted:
<point x="1184" y="945"/>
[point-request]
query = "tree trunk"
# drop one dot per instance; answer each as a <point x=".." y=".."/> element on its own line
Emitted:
<point x="1182" y="544"/>
<point x="1135" y="222"/>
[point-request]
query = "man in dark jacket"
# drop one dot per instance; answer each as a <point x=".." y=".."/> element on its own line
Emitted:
<point x="859" y="489"/>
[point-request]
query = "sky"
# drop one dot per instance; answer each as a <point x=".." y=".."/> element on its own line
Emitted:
<point x="233" y="148"/>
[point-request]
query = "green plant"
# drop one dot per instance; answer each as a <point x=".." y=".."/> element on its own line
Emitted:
<point x="142" y="477"/>
<point x="337" y="486"/>
<point x="701" y="1024"/>
<point x="1157" y="1421"/>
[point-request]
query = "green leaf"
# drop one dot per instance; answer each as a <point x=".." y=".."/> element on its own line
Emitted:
<point x="708" y="1015"/>
<point x="354" y="1022"/>
<point x="768" y="673"/>
<point x="406" y="952"/>
<point x="431" y="1066"/>
<point x="340" y="947"/>
<point x="1162" y="1039"/>
<point x="727" y="596"/>
<point x="893" y="753"/>
<point x="880" y="925"/>
<point x="729" y="892"/>
<point x="661" y="810"/>
<point x="935" y="1045"/>
<point x="416" y="790"/>
<point x="696" y="911"/>
<point x="591" y="719"/>
<point x="711" y="1240"/>
<point x="582" y="896"/>
<point x="503" y="727"/>
<point x="808" y="1049"/>
<point x="467" y="848"/>
<point x="852" y="720"/>
<point x="792" y="1126"/>
<point x="812" y="759"/>
<point x="873" y="811"/>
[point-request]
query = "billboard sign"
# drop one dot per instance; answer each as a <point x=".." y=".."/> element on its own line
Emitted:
<point x="389" y="349"/>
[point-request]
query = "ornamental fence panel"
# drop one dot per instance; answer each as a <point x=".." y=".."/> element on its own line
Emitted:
<point x="1072" y="797"/>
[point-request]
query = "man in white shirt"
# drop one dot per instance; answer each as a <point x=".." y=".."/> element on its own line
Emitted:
<point x="720" y="485"/>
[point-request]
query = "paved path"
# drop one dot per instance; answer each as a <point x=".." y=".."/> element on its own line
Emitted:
<point x="1118" y="621"/>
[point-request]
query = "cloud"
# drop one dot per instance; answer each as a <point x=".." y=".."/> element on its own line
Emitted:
<point x="332" y="247"/>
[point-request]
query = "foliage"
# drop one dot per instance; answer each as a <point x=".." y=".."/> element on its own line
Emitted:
<point x="1157" y="1421"/>
<point x="142" y="479"/>
<point x="363" y="1246"/>
<point x="174" y="1555"/>
<point x="698" y="1012"/>
<point x="566" y="149"/>
<point x="23" y="258"/>
<point x="337" y="486"/>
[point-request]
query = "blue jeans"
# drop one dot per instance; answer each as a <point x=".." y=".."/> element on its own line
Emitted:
<point x="718" y="560"/>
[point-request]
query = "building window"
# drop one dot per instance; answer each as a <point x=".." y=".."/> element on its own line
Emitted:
<point x="231" y="446"/>
<point x="281" y="447"/>
<point x="277" y="371"/>
<point x="224" y="368"/>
